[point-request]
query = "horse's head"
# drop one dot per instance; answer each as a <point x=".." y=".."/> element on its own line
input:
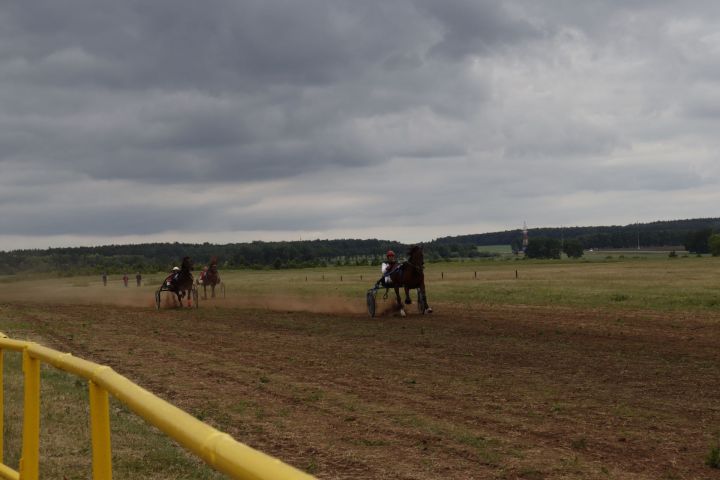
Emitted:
<point x="415" y="256"/>
<point x="186" y="264"/>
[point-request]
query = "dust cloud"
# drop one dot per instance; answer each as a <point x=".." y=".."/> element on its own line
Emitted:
<point x="279" y="302"/>
<point x="58" y="292"/>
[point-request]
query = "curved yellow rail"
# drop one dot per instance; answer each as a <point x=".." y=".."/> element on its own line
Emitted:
<point x="217" y="449"/>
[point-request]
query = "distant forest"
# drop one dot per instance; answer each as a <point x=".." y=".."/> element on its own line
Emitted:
<point x="154" y="257"/>
<point x="672" y="233"/>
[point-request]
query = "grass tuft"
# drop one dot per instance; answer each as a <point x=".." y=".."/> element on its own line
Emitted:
<point x="713" y="457"/>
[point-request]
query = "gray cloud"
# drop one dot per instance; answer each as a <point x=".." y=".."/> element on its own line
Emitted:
<point x="471" y="27"/>
<point x="218" y="45"/>
<point x="357" y="118"/>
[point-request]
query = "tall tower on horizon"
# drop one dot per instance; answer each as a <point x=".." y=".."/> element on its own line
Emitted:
<point x="525" y="237"/>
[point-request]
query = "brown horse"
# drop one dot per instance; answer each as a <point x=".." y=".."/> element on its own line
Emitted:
<point x="410" y="274"/>
<point x="181" y="283"/>
<point x="210" y="277"/>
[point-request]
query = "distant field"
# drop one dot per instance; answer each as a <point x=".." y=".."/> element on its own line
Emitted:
<point x="499" y="249"/>
<point x="656" y="282"/>
<point x="636" y="253"/>
<point x="585" y="369"/>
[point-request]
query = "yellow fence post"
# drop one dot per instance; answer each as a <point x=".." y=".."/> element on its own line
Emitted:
<point x="217" y="449"/>
<point x="2" y="404"/>
<point x="100" y="427"/>
<point x="30" y="459"/>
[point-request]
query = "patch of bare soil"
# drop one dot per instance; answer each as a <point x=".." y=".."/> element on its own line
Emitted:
<point x="485" y="392"/>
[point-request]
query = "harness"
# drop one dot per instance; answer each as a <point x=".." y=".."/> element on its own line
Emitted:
<point x="398" y="269"/>
<point x="174" y="279"/>
<point x="418" y="268"/>
<point x="391" y="268"/>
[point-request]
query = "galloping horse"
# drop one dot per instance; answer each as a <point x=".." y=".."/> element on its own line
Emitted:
<point x="181" y="284"/>
<point x="410" y="275"/>
<point x="210" y="277"/>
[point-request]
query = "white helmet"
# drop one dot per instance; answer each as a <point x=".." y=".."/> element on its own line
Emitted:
<point x="176" y="269"/>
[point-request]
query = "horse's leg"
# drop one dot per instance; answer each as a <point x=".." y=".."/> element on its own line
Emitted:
<point x="426" y="307"/>
<point x="407" y="280"/>
<point x="212" y="290"/>
<point x="399" y="302"/>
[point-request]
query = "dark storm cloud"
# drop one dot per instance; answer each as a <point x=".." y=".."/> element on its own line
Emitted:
<point x="473" y="27"/>
<point x="220" y="90"/>
<point x="222" y="45"/>
<point x="166" y="91"/>
<point x="447" y="104"/>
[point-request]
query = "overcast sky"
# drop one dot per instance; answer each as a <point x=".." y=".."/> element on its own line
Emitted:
<point x="237" y="120"/>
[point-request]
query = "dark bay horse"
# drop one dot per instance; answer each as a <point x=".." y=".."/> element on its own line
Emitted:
<point x="410" y="274"/>
<point x="181" y="283"/>
<point x="210" y="277"/>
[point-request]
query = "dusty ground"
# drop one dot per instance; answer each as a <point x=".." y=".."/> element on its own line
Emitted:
<point x="482" y="392"/>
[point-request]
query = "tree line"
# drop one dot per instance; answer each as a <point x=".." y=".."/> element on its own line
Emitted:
<point x="653" y="234"/>
<point x="154" y="257"/>
<point x="695" y="235"/>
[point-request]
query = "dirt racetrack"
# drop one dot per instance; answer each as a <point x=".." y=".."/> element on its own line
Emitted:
<point x="466" y="393"/>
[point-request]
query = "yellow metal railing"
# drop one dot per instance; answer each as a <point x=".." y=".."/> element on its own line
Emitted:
<point x="217" y="449"/>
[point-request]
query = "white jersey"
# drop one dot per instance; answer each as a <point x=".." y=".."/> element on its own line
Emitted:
<point x="386" y="266"/>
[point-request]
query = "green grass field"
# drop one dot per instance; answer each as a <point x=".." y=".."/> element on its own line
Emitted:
<point x="654" y="282"/>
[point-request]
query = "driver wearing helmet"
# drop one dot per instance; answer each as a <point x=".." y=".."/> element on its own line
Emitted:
<point x="203" y="274"/>
<point x="173" y="276"/>
<point x="388" y="266"/>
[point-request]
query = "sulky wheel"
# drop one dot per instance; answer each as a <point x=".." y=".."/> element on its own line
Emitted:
<point x="157" y="299"/>
<point x="370" y="297"/>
